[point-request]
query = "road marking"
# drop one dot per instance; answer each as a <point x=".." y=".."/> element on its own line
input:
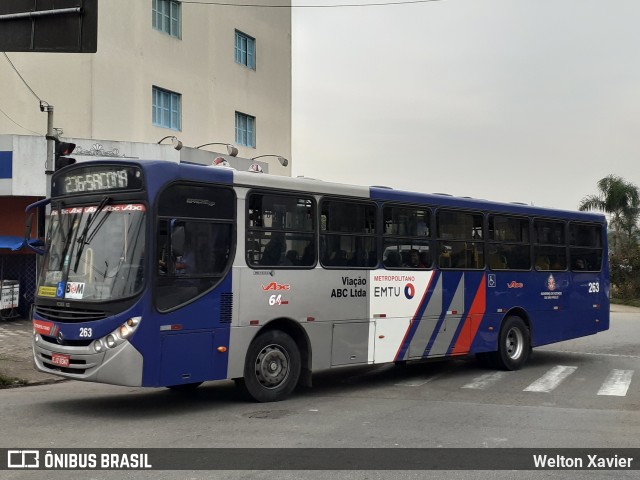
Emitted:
<point x="591" y="353"/>
<point x="617" y="383"/>
<point x="551" y="379"/>
<point x="484" y="381"/>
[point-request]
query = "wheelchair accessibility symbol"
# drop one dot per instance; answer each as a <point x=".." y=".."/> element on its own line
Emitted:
<point x="491" y="280"/>
<point x="60" y="290"/>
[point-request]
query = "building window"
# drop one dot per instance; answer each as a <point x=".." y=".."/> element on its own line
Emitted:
<point x="245" y="130"/>
<point x="166" y="17"/>
<point x="166" y="109"/>
<point x="245" y="50"/>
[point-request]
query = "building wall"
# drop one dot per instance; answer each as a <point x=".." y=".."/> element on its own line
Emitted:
<point x="108" y="94"/>
<point x="13" y="216"/>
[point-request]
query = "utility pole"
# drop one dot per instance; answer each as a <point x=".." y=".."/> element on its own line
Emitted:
<point x="51" y="135"/>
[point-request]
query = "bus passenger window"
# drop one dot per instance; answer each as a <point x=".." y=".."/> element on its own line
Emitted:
<point x="280" y="231"/>
<point x="460" y="239"/>
<point x="406" y="239"/>
<point x="585" y="247"/>
<point x="550" y="249"/>
<point x="348" y="234"/>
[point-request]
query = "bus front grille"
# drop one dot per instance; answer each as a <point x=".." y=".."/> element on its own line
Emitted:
<point x="69" y="315"/>
<point x="69" y="343"/>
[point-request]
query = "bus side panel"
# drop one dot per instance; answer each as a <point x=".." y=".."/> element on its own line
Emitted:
<point x="184" y="342"/>
<point x="315" y="299"/>
<point x="420" y="314"/>
<point x="475" y="303"/>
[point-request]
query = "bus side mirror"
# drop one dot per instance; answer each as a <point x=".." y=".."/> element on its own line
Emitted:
<point x="29" y="222"/>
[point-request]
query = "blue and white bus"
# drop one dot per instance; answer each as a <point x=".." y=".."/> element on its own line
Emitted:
<point x="162" y="274"/>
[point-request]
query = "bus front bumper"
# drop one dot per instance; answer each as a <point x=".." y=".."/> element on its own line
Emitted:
<point x="121" y="365"/>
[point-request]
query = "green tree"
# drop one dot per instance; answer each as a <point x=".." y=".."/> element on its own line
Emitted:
<point x="621" y="200"/>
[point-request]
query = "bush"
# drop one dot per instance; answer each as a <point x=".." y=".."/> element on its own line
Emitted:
<point x="625" y="274"/>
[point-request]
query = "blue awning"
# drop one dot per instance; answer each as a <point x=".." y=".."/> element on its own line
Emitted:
<point x="13" y="243"/>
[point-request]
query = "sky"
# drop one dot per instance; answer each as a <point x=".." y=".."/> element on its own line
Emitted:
<point x="509" y="100"/>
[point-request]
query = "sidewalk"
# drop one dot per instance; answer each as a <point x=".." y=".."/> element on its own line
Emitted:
<point x="16" y="356"/>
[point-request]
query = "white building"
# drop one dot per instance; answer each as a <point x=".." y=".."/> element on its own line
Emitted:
<point x="204" y="73"/>
<point x="200" y="72"/>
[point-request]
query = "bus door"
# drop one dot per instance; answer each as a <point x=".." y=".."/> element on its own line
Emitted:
<point x="194" y="248"/>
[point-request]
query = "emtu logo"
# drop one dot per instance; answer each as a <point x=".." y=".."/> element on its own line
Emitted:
<point x="23" y="459"/>
<point x="409" y="290"/>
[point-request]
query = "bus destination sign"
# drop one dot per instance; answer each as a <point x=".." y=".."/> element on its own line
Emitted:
<point x="99" y="178"/>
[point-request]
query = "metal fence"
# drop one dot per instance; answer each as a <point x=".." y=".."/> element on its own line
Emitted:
<point x="23" y="269"/>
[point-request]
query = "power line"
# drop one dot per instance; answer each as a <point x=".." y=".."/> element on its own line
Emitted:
<point x="16" y="123"/>
<point x="336" y="5"/>
<point x="21" y="78"/>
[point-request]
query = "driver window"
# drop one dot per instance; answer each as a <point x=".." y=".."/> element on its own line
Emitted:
<point x="194" y="242"/>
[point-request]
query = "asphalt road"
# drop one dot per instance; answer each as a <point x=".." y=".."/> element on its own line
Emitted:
<point x="580" y="393"/>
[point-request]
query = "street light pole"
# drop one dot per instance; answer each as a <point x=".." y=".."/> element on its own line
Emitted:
<point x="48" y="167"/>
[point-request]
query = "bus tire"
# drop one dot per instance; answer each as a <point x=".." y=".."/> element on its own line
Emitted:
<point x="272" y="367"/>
<point x="514" y="344"/>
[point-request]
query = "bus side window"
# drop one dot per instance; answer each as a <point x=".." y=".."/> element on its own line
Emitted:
<point x="281" y="230"/>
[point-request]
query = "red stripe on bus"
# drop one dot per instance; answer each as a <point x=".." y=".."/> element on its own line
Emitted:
<point x="470" y="328"/>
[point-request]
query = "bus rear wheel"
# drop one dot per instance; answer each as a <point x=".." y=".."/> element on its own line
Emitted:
<point x="514" y="344"/>
<point x="272" y="367"/>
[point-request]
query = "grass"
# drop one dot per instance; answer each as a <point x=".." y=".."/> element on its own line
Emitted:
<point x="634" y="302"/>
<point x="10" y="381"/>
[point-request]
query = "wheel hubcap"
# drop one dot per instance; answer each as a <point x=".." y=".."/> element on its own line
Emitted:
<point x="514" y="343"/>
<point x="272" y="366"/>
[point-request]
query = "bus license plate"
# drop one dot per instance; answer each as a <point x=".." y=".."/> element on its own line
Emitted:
<point x="60" y="360"/>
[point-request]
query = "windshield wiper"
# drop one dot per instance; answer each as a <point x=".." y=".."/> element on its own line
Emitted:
<point x="82" y="239"/>
<point x="67" y="240"/>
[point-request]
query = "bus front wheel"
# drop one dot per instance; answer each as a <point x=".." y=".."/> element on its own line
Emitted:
<point x="272" y="367"/>
<point x="514" y="344"/>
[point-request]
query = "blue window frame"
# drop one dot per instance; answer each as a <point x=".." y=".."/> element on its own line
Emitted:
<point x="245" y="130"/>
<point x="166" y="17"/>
<point x="245" y="50"/>
<point x="166" y="109"/>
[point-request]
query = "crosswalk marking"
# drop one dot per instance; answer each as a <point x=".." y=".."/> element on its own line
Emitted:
<point x="551" y="379"/>
<point x="485" y="381"/>
<point x="617" y="383"/>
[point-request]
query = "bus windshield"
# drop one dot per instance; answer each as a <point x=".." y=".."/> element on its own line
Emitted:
<point x="95" y="252"/>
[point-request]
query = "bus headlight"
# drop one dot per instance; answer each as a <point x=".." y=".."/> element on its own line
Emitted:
<point x="133" y="321"/>
<point x="124" y="331"/>
<point x="118" y="336"/>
